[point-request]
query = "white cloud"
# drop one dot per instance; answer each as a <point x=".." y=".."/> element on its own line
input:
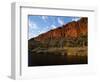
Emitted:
<point x="44" y="18"/>
<point x="75" y="19"/>
<point x="61" y="22"/>
<point x="31" y="35"/>
<point x="53" y="26"/>
<point x="32" y="25"/>
<point x="47" y="27"/>
<point x="42" y="31"/>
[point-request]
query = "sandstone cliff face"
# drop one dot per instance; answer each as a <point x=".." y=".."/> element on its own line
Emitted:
<point x="83" y="24"/>
<point x="71" y="30"/>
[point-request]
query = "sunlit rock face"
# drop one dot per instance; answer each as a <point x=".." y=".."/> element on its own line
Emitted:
<point x="73" y="29"/>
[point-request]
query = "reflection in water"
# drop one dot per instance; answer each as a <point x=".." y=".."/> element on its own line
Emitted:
<point x="55" y="58"/>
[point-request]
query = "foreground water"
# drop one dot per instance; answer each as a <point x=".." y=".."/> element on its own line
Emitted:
<point x="56" y="58"/>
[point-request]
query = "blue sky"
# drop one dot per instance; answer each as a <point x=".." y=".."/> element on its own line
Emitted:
<point x="41" y="24"/>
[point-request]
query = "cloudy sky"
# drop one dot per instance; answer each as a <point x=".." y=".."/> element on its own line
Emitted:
<point x="42" y="24"/>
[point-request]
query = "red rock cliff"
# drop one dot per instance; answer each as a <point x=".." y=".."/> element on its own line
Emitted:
<point x="72" y="30"/>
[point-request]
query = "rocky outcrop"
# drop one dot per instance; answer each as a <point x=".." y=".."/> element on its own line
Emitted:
<point x="71" y="30"/>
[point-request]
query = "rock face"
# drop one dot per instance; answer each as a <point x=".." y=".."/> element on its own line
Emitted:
<point x="73" y="34"/>
<point x="71" y="30"/>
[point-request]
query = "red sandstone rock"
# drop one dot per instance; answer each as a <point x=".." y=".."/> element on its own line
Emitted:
<point x="70" y="30"/>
